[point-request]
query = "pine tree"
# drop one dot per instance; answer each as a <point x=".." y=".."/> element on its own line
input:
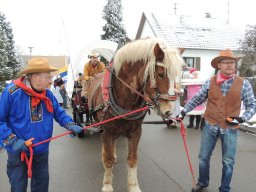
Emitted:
<point x="5" y="73"/>
<point x="12" y="61"/>
<point x="114" y="29"/>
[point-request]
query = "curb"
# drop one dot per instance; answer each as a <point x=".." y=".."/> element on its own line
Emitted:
<point x="248" y="130"/>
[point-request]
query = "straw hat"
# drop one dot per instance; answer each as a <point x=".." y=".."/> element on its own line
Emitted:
<point x="93" y="54"/>
<point x="225" y="54"/>
<point x="38" y="65"/>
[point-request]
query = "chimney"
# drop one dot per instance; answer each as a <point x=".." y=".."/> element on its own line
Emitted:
<point x="207" y="15"/>
<point x="181" y="19"/>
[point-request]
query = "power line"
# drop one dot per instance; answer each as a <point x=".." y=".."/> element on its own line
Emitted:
<point x="228" y="13"/>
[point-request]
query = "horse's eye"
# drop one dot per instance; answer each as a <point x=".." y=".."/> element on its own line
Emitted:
<point x="160" y="75"/>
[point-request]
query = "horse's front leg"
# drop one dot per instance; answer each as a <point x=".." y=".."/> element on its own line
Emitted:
<point x="133" y="142"/>
<point x="108" y="160"/>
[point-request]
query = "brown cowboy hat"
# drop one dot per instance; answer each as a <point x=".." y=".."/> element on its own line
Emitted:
<point x="225" y="54"/>
<point x="38" y="65"/>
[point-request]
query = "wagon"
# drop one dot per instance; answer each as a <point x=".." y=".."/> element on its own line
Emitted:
<point x="80" y="111"/>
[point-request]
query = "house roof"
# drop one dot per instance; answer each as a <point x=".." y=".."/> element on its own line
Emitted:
<point x="191" y="32"/>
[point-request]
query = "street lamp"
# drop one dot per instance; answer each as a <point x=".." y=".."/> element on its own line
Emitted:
<point x="30" y="51"/>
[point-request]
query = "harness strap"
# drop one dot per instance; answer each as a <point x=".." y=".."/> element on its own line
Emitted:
<point x="168" y="97"/>
<point x="105" y="84"/>
<point x="147" y="99"/>
<point x="115" y="109"/>
<point x="98" y="107"/>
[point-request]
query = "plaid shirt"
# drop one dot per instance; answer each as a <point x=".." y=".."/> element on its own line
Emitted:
<point x="247" y="96"/>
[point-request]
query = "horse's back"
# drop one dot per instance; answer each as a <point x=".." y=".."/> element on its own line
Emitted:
<point x="95" y="91"/>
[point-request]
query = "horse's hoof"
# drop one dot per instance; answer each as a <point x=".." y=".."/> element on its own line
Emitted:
<point x="107" y="188"/>
<point x="134" y="189"/>
<point x="172" y="126"/>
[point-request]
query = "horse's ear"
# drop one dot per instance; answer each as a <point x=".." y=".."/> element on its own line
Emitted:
<point x="159" y="54"/>
<point x="181" y="50"/>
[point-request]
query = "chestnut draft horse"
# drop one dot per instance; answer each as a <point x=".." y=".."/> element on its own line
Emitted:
<point x="148" y="66"/>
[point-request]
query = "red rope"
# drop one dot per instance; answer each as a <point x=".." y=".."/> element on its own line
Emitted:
<point x="30" y="159"/>
<point x="182" y="131"/>
<point x="183" y="134"/>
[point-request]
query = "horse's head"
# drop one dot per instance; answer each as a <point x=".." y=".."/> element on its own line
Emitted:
<point x="160" y="77"/>
<point x="149" y="66"/>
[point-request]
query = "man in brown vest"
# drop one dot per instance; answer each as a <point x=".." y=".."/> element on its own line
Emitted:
<point x="224" y="92"/>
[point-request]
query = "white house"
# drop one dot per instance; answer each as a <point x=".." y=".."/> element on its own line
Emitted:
<point x="202" y="38"/>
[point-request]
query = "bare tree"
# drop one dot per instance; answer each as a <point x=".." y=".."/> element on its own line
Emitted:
<point x="248" y="48"/>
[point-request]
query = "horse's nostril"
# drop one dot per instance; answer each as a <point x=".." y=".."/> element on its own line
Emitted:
<point x="168" y="113"/>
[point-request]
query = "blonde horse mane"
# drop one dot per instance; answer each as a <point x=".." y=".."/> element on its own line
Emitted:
<point x="143" y="50"/>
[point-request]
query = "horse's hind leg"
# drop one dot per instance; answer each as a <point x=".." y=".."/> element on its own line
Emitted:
<point x="133" y="142"/>
<point x="108" y="160"/>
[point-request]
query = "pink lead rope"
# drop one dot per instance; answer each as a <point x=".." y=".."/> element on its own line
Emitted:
<point x="183" y="134"/>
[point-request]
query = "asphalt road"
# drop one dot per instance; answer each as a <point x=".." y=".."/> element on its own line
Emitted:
<point x="75" y="164"/>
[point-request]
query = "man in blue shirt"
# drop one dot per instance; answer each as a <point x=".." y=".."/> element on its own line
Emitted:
<point x="224" y="93"/>
<point x="27" y="110"/>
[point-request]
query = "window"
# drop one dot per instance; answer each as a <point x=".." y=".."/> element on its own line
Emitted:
<point x="189" y="61"/>
<point x="193" y="62"/>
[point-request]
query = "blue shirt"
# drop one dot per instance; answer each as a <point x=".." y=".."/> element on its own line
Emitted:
<point x="247" y="96"/>
<point x="17" y="116"/>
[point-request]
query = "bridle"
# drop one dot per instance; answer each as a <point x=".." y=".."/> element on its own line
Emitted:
<point x="153" y="102"/>
<point x="159" y="96"/>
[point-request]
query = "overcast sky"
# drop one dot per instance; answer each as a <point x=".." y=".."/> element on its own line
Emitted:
<point x="56" y="26"/>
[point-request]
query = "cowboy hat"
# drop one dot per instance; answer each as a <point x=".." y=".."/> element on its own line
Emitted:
<point x="38" y="65"/>
<point x="225" y="54"/>
<point x="93" y="54"/>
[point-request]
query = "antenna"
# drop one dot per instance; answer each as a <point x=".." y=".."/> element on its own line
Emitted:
<point x="228" y="14"/>
<point x="175" y="8"/>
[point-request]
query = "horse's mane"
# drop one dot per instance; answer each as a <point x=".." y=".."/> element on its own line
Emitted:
<point x="143" y="50"/>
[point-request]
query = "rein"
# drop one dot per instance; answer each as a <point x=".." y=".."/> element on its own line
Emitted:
<point x="155" y="101"/>
<point x="183" y="134"/>
<point x="109" y="99"/>
<point x="29" y="160"/>
<point x="147" y="99"/>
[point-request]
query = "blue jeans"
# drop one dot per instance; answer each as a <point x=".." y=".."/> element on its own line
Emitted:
<point x="64" y="97"/>
<point x="228" y="145"/>
<point x="17" y="173"/>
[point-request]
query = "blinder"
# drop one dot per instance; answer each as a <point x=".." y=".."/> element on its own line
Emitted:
<point x="167" y="97"/>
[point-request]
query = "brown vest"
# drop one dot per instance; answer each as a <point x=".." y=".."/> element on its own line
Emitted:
<point x="220" y="107"/>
